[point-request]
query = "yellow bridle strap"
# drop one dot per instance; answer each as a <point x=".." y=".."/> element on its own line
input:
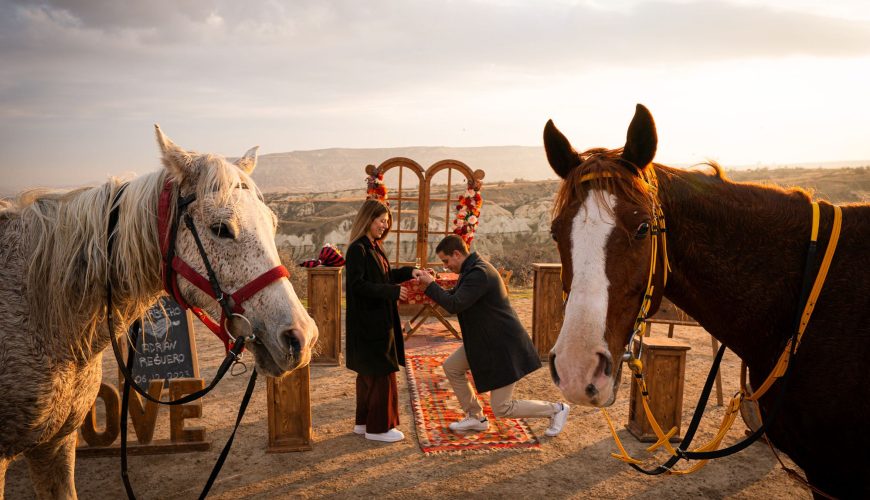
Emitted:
<point x="599" y="175"/>
<point x="781" y="365"/>
<point x="664" y="439"/>
<point x="624" y="456"/>
<point x="663" y="233"/>
<point x="823" y="270"/>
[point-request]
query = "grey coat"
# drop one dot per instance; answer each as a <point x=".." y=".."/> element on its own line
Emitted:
<point x="498" y="348"/>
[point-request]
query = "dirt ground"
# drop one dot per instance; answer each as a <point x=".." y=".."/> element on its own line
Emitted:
<point x="575" y="464"/>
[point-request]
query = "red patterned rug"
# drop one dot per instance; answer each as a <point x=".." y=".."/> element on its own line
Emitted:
<point x="435" y="406"/>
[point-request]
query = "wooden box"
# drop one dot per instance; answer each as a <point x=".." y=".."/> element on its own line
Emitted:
<point x="324" y="305"/>
<point x="289" y="405"/>
<point x="548" y="309"/>
<point x="664" y="365"/>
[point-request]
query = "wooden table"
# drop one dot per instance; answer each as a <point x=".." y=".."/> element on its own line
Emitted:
<point x="428" y="307"/>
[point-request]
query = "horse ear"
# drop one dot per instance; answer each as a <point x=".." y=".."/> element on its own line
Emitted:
<point x="560" y="154"/>
<point x="248" y="162"/>
<point x="641" y="140"/>
<point x="178" y="161"/>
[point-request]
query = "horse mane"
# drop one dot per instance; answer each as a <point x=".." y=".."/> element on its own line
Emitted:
<point x="711" y="190"/>
<point x="66" y="234"/>
<point x="628" y="184"/>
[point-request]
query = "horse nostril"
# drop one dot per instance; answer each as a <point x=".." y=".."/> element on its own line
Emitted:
<point x="608" y="364"/>
<point x="591" y="390"/>
<point x="291" y="341"/>
<point x="605" y="365"/>
<point x="553" y="374"/>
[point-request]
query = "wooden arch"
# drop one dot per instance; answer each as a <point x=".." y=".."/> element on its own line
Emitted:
<point x="416" y="207"/>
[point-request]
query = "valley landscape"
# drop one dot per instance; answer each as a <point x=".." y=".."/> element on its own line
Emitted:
<point x="517" y="193"/>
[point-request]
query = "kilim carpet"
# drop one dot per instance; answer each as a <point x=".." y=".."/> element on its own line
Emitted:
<point x="435" y="406"/>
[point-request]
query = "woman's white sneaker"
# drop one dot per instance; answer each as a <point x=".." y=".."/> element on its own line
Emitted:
<point x="359" y="429"/>
<point x="391" y="436"/>
<point x="557" y="421"/>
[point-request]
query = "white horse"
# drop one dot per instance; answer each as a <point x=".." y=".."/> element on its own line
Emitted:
<point x="53" y="325"/>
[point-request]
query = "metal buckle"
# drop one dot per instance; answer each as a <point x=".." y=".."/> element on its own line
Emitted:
<point x="628" y="355"/>
<point x="238" y="362"/>
<point x="249" y="336"/>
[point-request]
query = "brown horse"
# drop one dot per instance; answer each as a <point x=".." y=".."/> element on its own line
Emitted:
<point x="53" y="321"/>
<point x="737" y="252"/>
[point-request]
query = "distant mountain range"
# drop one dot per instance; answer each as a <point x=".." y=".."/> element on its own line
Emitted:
<point x="338" y="169"/>
<point x="327" y="170"/>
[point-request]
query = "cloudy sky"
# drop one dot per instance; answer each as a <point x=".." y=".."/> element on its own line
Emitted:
<point x="740" y="81"/>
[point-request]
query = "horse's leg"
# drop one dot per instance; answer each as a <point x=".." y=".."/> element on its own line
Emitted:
<point x="52" y="468"/>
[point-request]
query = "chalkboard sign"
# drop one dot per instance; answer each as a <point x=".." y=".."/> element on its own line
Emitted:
<point x="166" y="349"/>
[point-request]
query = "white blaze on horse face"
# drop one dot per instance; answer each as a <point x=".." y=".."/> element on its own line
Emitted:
<point x="581" y="349"/>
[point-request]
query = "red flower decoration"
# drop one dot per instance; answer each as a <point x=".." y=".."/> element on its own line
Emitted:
<point x="376" y="189"/>
<point x="468" y="212"/>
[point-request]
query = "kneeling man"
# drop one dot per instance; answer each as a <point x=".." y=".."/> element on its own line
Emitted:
<point x="495" y="346"/>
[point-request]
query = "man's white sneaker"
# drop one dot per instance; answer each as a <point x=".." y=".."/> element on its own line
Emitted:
<point x="557" y="421"/>
<point x="359" y="429"/>
<point x="391" y="436"/>
<point x="470" y="424"/>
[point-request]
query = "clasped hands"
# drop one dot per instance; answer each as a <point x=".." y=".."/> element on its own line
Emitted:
<point x="423" y="277"/>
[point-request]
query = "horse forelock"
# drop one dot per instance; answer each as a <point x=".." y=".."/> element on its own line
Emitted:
<point x="617" y="179"/>
<point x="218" y="180"/>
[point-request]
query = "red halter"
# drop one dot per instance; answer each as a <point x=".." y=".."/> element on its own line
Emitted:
<point x="172" y="265"/>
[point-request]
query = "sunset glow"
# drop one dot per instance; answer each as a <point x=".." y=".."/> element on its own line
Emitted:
<point x="742" y="82"/>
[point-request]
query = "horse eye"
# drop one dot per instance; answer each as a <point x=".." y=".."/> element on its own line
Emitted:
<point x="642" y="231"/>
<point x="222" y="230"/>
<point x="553" y="235"/>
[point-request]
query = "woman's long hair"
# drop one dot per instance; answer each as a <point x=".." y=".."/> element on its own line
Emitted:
<point x="368" y="212"/>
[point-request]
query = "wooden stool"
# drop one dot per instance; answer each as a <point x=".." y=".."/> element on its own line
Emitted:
<point x="664" y="367"/>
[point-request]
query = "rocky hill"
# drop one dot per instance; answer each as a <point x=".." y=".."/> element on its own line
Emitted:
<point x="337" y="169"/>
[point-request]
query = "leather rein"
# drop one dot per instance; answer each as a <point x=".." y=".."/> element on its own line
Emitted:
<point x="230" y="304"/>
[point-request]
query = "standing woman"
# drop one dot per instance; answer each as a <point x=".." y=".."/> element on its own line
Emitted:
<point x="375" y="347"/>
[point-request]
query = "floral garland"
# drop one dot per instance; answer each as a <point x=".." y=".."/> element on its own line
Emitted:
<point x="468" y="212"/>
<point x="375" y="187"/>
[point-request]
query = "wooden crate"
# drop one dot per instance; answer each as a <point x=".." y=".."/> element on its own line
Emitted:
<point x="664" y="365"/>
<point x="547" y="307"/>
<point x="324" y="305"/>
<point x="289" y="403"/>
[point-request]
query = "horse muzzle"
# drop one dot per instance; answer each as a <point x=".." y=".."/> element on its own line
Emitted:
<point x="289" y="348"/>
<point x="586" y="380"/>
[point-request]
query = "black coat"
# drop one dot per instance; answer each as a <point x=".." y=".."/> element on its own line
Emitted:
<point x="374" y="343"/>
<point x="498" y="348"/>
